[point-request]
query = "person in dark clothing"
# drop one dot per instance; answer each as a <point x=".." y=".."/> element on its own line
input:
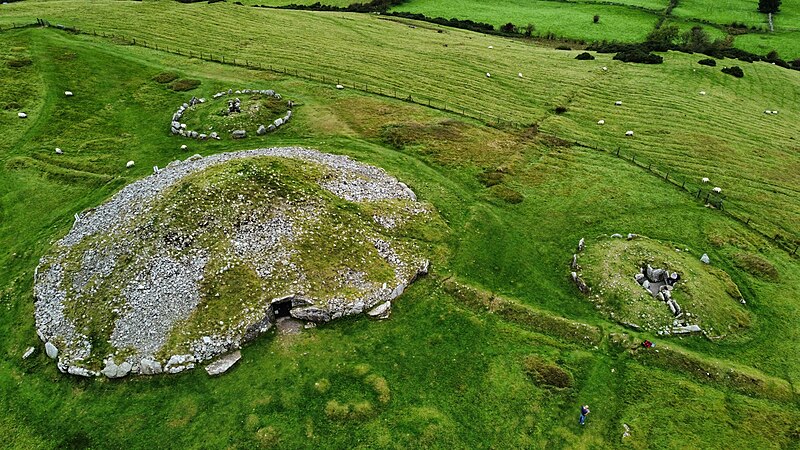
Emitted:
<point x="584" y="412"/>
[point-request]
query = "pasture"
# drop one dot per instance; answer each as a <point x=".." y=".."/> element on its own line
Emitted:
<point x="459" y="364"/>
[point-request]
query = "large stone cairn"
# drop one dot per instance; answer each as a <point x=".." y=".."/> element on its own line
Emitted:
<point x="162" y="288"/>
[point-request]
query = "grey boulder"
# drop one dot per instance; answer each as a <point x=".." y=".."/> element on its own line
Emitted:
<point x="51" y="350"/>
<point x="223" y="363"/>
<point x="381" y="311"/>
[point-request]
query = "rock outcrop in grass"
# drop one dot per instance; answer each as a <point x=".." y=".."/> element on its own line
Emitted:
<point x="192" y="262"/>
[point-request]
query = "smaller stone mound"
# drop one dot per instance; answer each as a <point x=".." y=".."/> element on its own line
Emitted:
<point x="646" y="285"/>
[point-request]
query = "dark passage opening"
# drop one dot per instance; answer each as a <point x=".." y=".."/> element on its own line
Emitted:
<point x="282" y="309"/>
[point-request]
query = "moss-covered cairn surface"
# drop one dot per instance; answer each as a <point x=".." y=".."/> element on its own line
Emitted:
<point x="185" y="264"/>
<point x="708" y="297"/>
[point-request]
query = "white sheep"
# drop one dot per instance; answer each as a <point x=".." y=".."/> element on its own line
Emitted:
<point x="59" y="151"/>
<point x="766" y="111"/>
<point x="184" y="147"/>
<point x="629" y="133"/>
<point x="601" y="122"/>
<point x="491" y="46"/>
<point x="774" y="112"/>
<point x="520" y="74"/>
<point x="605" y="68"/>
<point x="702" y="92"/>
<point x="618" y="103"/>
<point x="717" y="190"/>
<point x="22" y="115"/>
<point x="488" y="75"/>
<point x="705" y="180"/>
<point x="68" y="93"/>
<point x="130" y="164"/>
<point x="339" y="86"/>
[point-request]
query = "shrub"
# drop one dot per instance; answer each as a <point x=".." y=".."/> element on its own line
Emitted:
<point x="506" y="194"/>
<point x="380" y="386"/>
<point x="165" y="77"/>
<point x="585" y="56"/>
<point x="663" y="38"/>
<point x="596" y="18"/>
<point x="491" y="178"/>
<point x="529" y="29"/>
<point x="184" y="84"/>
<point x="561" y="109"/>
<point x="638" y="56"/>
<point x="735" y="71"/>
<point x="696" y="40"/>
<point x="337" y="411"/>
<point x="546" y="373"/>
<point x="708" y="62"/>
<point x="322" y="385"/>
<point x="563" y="47"/>
<point x="362" y="410"/>
<point x="755" y="265"/>
<point x="508" y="28"/>
<point x="17" y="63"/>
<point x="267" y="436"/>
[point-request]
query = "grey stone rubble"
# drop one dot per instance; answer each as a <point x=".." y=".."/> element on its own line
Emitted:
<point x="234" y="106"/>
<point x="223" y="363"/>
<point x="165" y="289"/>
<point x="659" y="283"/>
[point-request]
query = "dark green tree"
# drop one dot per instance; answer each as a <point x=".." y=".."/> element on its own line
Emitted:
<point x="663" y="38"/>
<point x="769" y="6"/>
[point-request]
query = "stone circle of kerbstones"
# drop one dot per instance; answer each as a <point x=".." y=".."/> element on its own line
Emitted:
<point x="164" y="288"/>
<point x="179" y="129"/>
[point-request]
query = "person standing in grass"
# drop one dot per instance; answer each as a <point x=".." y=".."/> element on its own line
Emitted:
<point x="584" y="412"/>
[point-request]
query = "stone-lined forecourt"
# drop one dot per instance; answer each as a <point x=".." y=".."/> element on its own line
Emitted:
<point x="125" y="269"/>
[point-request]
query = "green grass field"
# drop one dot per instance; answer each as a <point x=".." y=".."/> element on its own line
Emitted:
<point x="625" y="21"/>
<point x="570" y="20"/>
<point x="451" y="368"/>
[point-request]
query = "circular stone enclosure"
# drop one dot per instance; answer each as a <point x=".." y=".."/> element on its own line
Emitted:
<point x="192" y="262"/>
<point x="233" y="113"/>
<point x="699" y="299"/>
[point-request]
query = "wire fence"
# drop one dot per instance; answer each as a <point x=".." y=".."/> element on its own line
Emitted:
<point x="785" y="239"/>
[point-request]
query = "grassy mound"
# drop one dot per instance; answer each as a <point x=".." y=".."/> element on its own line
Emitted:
<point x="708" y="296"/>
